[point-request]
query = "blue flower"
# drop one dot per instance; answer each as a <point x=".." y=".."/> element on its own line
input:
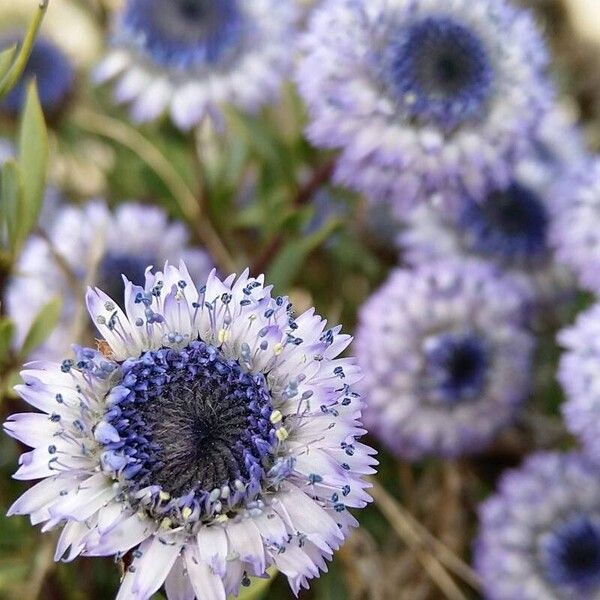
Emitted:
<point x="540" y="533"/>
<point x="446" y="358"/>
<point x="425" y="99"/>
<point x="91" y="245"/>
<point x="576" y="230"/>
<point x="52" y="70"/>
<point x="216" y="437"/>
<point x="510" y="227"/>
<point x="579" y="376"/>
<point x="191" y="57"/>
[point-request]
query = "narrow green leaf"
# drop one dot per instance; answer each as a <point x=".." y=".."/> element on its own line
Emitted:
<point x="42" y="326"/>
<point x="258" y="588"/>
<point x="7" y="331"/>
<point x="17" y="67"/>
<point x="33" y="157"/>
<point x="7" y="58"/>
<point x="11" y="205"/>
<point x="288" y="263"/>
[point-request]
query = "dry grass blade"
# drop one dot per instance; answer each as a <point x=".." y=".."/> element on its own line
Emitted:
<point x="437" y="557"/>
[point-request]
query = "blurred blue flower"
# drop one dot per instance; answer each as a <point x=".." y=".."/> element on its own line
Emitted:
<point x="425" y="98"/>
<point x="191" y="57"/>
<point x="510" y="227"/>
<point x="445" y="356"/>
<point x="579" y="376"/>
<point x="217" y="437"/>
<point x="540" y="534"/>
<point x="576" y="229"/>
<point x="52" y="70"/>
<point x="90" y="245"/>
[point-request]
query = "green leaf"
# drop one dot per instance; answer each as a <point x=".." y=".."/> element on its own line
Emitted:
<point x="7" y="58"/>
<point x="33" y="157"/>
<point x="258" y="588"/>
<point x="42" y="326"/>
<point x="7" y="331"/>
<point x="287" y="264"/>
<point x="11" y="205"/>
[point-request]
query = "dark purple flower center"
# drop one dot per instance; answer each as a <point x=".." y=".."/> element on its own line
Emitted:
<point x="456" y="367"/>
<point x="186" y="34"/>
<point x="570" y="555"/>
<point x="510" y="225"/>
<point x="440" y="71"/>
<point x="191" y="424"/>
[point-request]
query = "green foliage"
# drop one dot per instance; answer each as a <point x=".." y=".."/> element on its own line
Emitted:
<point x="33" y="158"/>
<point x="7" y="332"/>
<point x="7" y="58"/>
<point x="23" y="182"/>
<point x="42" y="326"/>
<point x="259" y="587"/>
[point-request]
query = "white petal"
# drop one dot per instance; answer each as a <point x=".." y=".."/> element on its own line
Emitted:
<point x="245" y="541"/>
<point x="127" y="534"/>
<point x="213" y="548"/>
<point x="158" y="555"/>
<point x="41" y="494"/>
<point x="177" y="584"/>
<point x="86" y="499"/>
<point x="206" y="584"/>
<point x="33" y="429"/>
<point x="71" y="539"/>
<point x="305" y="514"/>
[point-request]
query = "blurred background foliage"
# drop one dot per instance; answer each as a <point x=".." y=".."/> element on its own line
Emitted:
<point x="258" y="195"/>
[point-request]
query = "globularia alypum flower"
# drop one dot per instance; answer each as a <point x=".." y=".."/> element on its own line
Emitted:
<point x="445" y="357"/>
<point x="191" y="57"/>
<point x="89" y="245"/>
<point x="576" y="229"/>
<point x="579" y="376"/>
<point x="216" y="437"/>
<point x="540" y="534"/>
<point x="52" y="70"/>
<point x="510" y="227"/>
<point x="424" y="97"/>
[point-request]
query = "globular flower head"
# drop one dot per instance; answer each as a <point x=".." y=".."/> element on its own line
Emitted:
<point x="445" y="356"/>
<point x="52" y="70"/>
<point x="580" y="378"/>
<point x="90" y="245"/>
<point x="540" y="533"/>
<point x="192" y="57"/>
<point x="424" y="97"/>
<point x="576" y="229"/>
<point x="215" y="437"/>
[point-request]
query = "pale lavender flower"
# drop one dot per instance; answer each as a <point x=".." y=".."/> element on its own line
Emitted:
<point x="218" y="436"/>
<point x="576" y="229"/>
<point x="540" y="533"/>
<point x="579" y="375"/>
<point x="190" y="58"/>
<point x="445" y="356"/>
<point x="425" y="98"/>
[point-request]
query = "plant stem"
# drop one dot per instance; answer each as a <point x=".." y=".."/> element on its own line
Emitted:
<point x="18" y="66"/>
<point x="188" y="204"/>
